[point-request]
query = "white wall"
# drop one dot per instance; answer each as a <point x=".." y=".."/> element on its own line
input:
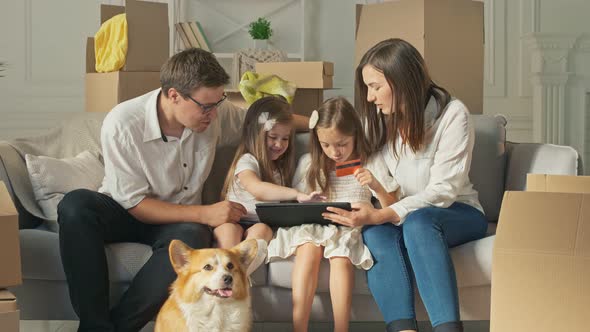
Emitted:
<point x="536" y="61"/>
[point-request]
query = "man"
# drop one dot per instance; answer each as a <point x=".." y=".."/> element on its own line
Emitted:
<point x="158" y="151"/>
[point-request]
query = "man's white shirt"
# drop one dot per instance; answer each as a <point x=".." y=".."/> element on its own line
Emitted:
<point x="140" y="162"/>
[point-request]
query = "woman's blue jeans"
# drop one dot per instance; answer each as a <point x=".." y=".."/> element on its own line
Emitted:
<point x="420" y="248"/>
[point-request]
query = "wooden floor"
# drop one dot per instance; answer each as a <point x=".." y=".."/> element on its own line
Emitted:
<point x="71" y="326"/>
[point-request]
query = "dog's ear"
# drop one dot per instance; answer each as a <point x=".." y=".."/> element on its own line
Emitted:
<point x="247" y="251"/>
<point x="179" y="255"/>
<point x="252" y="253"/>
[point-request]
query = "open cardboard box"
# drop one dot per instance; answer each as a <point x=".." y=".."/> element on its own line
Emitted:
<point x="10" y="267"/>
<point x="9" y="313"/>
<point x="304" y="102"/>
<point x="448" y="34"/>
<point x="147" y="33"/>
<point x="148" y="47"/>
<point x="311" y="79"/>
<point x="541" y="259"/>
<point x="307" y="74"/>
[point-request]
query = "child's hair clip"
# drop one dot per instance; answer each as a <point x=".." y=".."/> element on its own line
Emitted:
<point x="313" y="119"/>
<point x="266" y="122"/>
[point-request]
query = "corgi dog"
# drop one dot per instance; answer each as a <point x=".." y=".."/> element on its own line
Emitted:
<point x="212" y="290"/>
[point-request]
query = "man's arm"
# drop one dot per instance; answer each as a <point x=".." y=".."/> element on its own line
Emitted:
<point x="301" y="122"/>
<point x="155" y="211"/>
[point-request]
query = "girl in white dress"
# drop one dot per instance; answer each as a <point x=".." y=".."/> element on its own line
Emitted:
<point x="261" y="171"/>
<point x="337" y="136"/>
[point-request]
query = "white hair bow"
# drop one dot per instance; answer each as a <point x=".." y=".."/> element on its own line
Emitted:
<point x="267" y="124"/>
<point x="313" y="119"/>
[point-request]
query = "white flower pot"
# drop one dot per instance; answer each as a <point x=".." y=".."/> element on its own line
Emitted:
<point x="261" y="43"/>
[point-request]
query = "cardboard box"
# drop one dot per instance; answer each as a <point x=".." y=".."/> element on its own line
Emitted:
<point x="558" y="183"/>
<point x="10" y="267"/>
<point x="448" y="34"/>
<point x="9" y="313"/>
<point x="304" y="102"/>
<point x="309" y="75"/>
<point x="541" y="259"/>
<point x="147" y="33"/>
<point x="105" y="90"/>
<point x="148" y="47"/>
<point x="307" y="100"/>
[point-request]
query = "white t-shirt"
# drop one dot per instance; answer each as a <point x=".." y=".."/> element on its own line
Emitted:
<point x="139" y="163"/>
<point x="237" y="193"/>
<point x="437" y="175"/>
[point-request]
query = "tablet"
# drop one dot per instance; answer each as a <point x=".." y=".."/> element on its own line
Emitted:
<point x="294" y="214"/>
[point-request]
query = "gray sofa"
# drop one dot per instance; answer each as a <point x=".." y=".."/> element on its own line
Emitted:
<point x="497" y="166"/>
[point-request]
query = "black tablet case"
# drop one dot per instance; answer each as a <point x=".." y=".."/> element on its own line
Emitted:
<point x="294" y="214"/>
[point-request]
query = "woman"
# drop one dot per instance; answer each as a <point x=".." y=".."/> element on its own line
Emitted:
<point x="426" y="138"/>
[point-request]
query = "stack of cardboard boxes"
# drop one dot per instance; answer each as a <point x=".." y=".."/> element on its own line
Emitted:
<point x="10" y="268"/>
<point x="311" y="79"/>
<point x="148" y="49"/>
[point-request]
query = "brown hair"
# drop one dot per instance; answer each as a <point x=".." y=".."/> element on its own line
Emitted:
<point x="191" y="69"/>
<point x="253" y="141"/>
<point x="339" y="114"/>
<point x="411" y="87"/>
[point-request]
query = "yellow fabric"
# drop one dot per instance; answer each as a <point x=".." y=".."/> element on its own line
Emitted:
<point x="254" y="86"/>
<point x="110" y="44"/>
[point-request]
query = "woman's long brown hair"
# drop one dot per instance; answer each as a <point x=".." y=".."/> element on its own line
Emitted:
<point x="411" y="87"/>
<point x="254" y="142"/>
<point x="339" y="114"/>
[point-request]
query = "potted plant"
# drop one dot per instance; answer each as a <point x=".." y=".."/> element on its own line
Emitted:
<point x="260" y="31"/>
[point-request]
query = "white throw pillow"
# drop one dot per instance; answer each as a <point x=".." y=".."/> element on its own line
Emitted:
<point x="52" y="178"/>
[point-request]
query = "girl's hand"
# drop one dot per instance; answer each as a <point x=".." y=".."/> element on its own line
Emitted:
<point x="315" y="196"/>
<point x="365" y="177"/>
<point x="361" y="214"/>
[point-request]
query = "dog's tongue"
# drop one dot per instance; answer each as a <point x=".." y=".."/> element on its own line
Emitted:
<point x="225" y="292"/>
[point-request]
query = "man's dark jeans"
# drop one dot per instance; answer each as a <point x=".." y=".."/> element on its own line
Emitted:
<point x="88" y="220"/>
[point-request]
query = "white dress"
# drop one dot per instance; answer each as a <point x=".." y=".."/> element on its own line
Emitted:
<point x="338" y="241"/>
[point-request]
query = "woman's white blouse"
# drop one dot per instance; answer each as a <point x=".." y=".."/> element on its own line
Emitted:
<point x="438" y="174"/>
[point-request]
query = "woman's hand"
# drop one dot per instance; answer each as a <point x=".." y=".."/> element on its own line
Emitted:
<point x="315" y="196"/>
<point x="361" y="214"/>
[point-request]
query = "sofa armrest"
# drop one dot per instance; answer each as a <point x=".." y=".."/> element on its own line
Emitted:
<point x="9" y="158"/>
<point x="524" y="158"/>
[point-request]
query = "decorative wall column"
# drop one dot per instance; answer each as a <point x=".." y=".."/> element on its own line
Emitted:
<point x="549" y="69"/>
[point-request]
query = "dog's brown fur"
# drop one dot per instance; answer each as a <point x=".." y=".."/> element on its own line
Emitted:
<point x="201" y="299"/>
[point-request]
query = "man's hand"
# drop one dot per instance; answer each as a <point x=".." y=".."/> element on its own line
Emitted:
<point x="365" y="177"/>
<point x="222" y="212"/>
<point x="315" y="196"/>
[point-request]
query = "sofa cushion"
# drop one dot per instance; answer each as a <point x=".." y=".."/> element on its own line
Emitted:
<point x="472" y="261"/>
<point x="41" y="259"/>
<point x="279" y="274"/>
<point x="52" y="178"/>
<point x="489" y="162"/>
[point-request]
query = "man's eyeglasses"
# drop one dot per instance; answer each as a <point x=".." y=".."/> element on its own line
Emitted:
<point x="207" y="108"/>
